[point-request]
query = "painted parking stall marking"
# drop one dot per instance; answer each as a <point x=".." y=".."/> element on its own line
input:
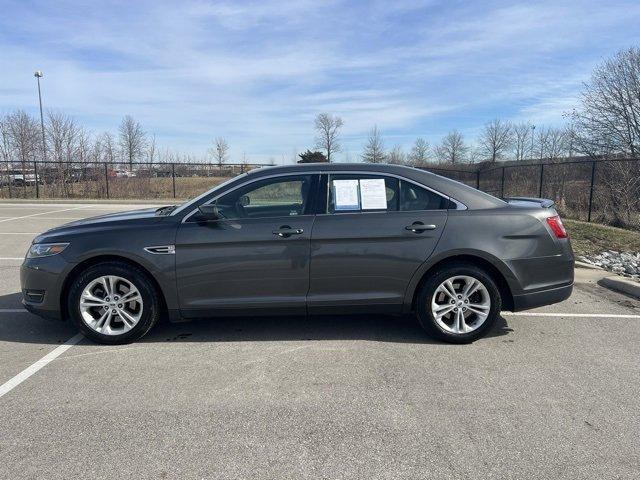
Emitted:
<point x="576" y="315"/>
<point x="44" y="213"/>
<point x="43" y="362"/>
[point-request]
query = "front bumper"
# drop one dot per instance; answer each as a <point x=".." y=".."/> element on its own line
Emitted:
<point x="41" y="281"/>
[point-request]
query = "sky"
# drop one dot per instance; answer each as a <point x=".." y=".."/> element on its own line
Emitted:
<point x="258" y="72"/>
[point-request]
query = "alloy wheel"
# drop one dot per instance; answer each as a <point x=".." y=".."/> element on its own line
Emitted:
<point x="111" y="305"/>
<point x="460" y="304"/>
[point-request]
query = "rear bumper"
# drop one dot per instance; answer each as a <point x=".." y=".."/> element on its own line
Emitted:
<point x="540" y="298"/>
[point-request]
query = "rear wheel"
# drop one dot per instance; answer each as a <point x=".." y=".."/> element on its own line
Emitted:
<point x="458" y="303"/>
<point x="113" y="303"/>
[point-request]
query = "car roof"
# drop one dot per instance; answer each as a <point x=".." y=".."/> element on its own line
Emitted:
<point x="465" y="194"/>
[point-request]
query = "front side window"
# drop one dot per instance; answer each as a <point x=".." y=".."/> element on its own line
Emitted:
<point x="273" y="197"/>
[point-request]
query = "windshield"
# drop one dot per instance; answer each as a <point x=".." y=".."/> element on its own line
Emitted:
<point x="191" y="202"/>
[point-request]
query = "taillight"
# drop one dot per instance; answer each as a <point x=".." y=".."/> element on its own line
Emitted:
<point x="556" y="226"/>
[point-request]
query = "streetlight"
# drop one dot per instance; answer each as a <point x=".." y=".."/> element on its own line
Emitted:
<point x="533" y="136"/>
<point x="38" y="74"/>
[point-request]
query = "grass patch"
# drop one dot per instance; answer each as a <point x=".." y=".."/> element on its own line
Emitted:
<point x="592" y="238"/>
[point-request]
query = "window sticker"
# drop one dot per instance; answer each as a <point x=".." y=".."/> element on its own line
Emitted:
<point x="373" y="194"/>
<point x="346" y="195"/>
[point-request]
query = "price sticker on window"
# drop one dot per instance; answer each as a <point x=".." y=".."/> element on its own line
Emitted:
<point x="373" y="194"/>
<point x="346" y="195"/>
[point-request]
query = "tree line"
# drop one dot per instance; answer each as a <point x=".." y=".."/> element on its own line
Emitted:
<point x="606" y="122"/>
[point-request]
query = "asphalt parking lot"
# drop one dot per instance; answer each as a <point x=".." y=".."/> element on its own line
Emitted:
<point x="554" y="393"/>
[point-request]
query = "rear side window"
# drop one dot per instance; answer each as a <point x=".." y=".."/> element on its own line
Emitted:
<point x="414" y="197"/>
<point x="362" y="193"/>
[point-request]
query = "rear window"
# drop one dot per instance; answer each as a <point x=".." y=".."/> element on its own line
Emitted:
<point x="414" y="197"/>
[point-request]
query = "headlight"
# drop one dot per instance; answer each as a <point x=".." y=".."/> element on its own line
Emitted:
<point x="38" y="250"/>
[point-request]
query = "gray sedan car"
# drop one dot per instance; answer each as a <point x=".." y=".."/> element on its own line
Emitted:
<point x="306" y="239"/>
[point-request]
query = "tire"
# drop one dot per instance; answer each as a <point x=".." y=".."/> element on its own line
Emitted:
<point x="87" y="306"/>
<point x="432" y="302"/>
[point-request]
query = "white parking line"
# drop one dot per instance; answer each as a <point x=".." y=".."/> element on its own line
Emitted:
<point x="43" y="362"/>
<point x="19" y="233"/>
<point x="42" y="213"/>
<point x="578" y="315"/>
<point x="11" y="258"/>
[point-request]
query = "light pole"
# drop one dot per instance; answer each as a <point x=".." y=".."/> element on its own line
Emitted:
<point x="38" y="74"/>
<point x="533" y="136"/>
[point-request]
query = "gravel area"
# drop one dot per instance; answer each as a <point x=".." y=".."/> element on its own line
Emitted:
<point x="626" y="264"/>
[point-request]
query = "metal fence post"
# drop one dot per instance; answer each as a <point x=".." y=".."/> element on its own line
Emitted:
<point x="9" y="180"/>
<point x="35" y="173"/>
<point x="541" y="178"/>
<point x="106" y="178"/>
<point x="502" y="184"/>
<point x="173" y="178"/>
<point x="593" y="176"/>
<point x="478" y="179"/>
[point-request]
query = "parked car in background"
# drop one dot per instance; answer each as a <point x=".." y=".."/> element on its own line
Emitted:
<point x="306" y="239"/>
<point x="19" y="178"/>
<point x="121" y="173"/>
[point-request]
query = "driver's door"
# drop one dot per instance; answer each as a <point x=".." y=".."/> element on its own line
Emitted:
<point x="255" y="258"/>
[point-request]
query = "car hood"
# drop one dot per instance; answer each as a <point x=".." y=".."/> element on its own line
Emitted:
<point x="114" y="217"/>
<point x="144" y="216"/>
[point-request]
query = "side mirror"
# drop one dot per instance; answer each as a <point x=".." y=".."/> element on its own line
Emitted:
<point x="210" y="212"/>
<point x="244" y="200"/>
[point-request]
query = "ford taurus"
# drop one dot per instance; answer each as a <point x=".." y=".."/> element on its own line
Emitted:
<point x="306" y="239"/>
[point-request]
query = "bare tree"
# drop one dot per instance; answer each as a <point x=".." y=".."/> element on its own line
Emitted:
<point x="452" y="149"/>
<point x="551" y="143"/>
<point x="522" y="135"/>
<point x="24" y="135"/>
<point x="608" y="120"/>
<point x="151" y="149"/>
<point x="495" y="139"/>
<point x="61" y="137"/>
<point x="133" y="140"/>
<point x="328" y="133"/>
<point x="5" y="142"/>
<point x="220" y="151"/>
<point x="373" y="151"/>
<point x="397" y="156"/>
<point x="419" y="155"/>
<point x="109" y="152"/>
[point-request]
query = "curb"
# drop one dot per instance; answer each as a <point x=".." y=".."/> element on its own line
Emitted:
<point x="621" y="284"/>
<point x="579" y="264"/>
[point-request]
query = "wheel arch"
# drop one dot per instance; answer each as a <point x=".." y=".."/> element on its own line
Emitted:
<point x="498" y="274"/>
<point x="95" y="260"/>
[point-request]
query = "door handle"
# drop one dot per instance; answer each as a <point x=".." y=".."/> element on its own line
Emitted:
<point x="418" y="227"/>
<point x="286" y="231"/>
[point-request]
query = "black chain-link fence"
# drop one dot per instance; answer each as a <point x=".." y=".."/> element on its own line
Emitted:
<point x="113" y="181"/>
<point x="605" y="191"/>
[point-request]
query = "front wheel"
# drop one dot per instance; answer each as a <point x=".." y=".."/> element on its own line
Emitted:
<point x="113" y="303"/>
<point x="458" y="303"/>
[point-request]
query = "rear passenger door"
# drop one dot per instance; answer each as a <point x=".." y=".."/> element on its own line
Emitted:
<point x="373" y="234"/>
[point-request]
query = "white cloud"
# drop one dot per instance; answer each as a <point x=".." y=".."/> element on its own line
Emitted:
<point x="258" y="72"/>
